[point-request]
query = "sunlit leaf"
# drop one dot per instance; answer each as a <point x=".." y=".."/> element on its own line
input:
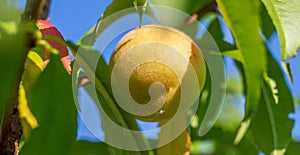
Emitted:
<point x="285" y="15"/>
<point x="33" y="68"/>
<point x="53" y="106"/>
<point x="250" y="44"/>
<point x="235" y="54"/>
<point x="188" y="6"/>
<point x="140" y="10"/>
<point x="28" y="120"/>
<point x="118" y="5"/>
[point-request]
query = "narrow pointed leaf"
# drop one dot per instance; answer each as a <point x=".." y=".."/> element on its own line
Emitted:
<point x="271" y="125"/>
<point x="28" y="120"/>
<point x="33" y="69"/>
<point x="267" y="25"/>
<point x="250" y="44"/>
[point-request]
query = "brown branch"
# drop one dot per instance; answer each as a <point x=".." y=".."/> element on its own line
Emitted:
<point x="11" y="129"/>
<point x="45" y="13"/>
<point x="33" y="10"/>
<point x="210" y="7"/>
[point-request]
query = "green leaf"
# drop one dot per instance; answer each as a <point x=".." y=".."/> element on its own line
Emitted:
<point x="235" y="54"/>
<point x="102" y="79"/>
<point x="9" y="11"/>
<point x="114" y="7"/>
<point x="118" y="5"/>
<point x="113" y="113"/>
<point x="188" y="6"/>
<point x="104" y="95"/>
<point x="33" y="69"/>
<point x="12" y="60"/>
<point x="204" y="101"/>
<point x="287" y="68"/>
<point x="285" y="15"/>
<point x="293" y="148"/>
<point x="28" y="120"/>
<point x="237" y="16"/>
<point x="271" y="125"/>
<point x="88" y="148"/>
<point x="73" y="47"/>
<point x="273" y="113"/>
<point x="139" y="2"/>
<point x="216" y="33"/>
<point x="53" y="105"/>
<point x="266" y="22"/>
<point x="223" y="143"/>
<point x="140" y="10"/>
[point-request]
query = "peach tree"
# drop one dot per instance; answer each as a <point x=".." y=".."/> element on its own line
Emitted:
<point x="42" y="74"/>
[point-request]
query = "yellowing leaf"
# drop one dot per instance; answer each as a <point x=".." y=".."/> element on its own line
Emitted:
<point x="36" y="59"/>
<point x="33" y="69"/>
<point x="27" y="118"/>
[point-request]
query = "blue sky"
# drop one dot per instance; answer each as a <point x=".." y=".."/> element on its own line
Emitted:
<point x="74" y="18"/>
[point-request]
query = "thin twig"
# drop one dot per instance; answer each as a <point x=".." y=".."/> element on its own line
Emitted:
<point x="210" y="7"/>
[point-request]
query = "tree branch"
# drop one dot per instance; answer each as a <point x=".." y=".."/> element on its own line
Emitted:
<point x="33" y="10"/>
<point x="210" y="7"/>
<point x="11" y="129"/>
<point x="45" y="13"/>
